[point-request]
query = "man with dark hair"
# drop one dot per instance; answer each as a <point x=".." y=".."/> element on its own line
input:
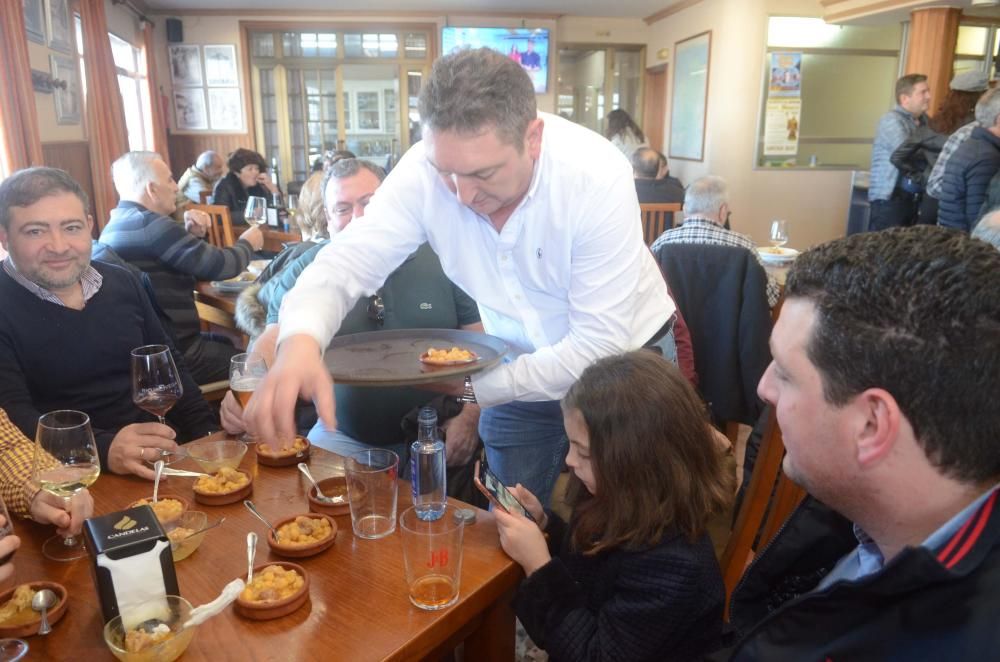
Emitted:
<point x="535" y="217"/>
<point x="67" y="326"/>
<point x="529" y="58"/>
<point x="884" y="380"/>
<point x="891" y="205"/>
<point x="653" y="182"/>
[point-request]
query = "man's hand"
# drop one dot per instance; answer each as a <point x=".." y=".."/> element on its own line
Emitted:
<point x="254" y="237"/>
<point x="50" y="509"/>
<point x="461" y="436"/>
<point x="125" y="454"/>
<point x="266" y="344"/>
<point x="7" y="546"/>
<point x="297" y="370"/>
<point x="196" y="222"/>
<point x="231" y="415"/>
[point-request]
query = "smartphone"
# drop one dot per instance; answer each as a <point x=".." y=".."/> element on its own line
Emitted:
<point x="497" y="492"/>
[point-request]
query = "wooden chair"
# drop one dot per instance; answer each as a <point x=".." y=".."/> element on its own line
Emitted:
<point x="769" y="499"/>
<point x="220" y="231"/>
<point x="219" y="319"/>
<point x="656" y="218"/>
<point x="203" y="196"/>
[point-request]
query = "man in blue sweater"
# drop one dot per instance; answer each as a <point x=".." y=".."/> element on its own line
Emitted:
<point x="142" y="233"/>
<point x="67" y="327"/>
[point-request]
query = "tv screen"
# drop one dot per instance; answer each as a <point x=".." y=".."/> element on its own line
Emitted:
<point x="529" y="48"/>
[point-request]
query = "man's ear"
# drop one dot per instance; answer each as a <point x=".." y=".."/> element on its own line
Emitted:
<point x="533" y="137"/>
<point x="877" y="426"/>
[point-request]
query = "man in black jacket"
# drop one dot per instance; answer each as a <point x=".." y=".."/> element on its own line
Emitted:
<point x="885" y="373"/>
<point x="967" y="175"/>
<point x="653" y="182"/>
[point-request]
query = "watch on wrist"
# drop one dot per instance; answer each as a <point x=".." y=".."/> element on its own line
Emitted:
<point x="469" y="395"/>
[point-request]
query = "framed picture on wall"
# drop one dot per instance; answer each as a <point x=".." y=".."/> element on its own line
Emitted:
<point x="185" y="66"/>
<point x="60" y="27"/>
<point x="689" y="97"/>
<point x="220" y="66"/>
<point x="225" y="108"/>
<point x="67" y="101"/>
<point x="189" y="109"/>
<point x="34" y="20"/>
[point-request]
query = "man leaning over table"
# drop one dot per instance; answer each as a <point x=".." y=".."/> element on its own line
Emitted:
<point x="142" y="233"/>
<point x="67" y="326"/>
<point x="25" y="499"/>
<point x="534" y="216"/>
<point x="884" y="380"/>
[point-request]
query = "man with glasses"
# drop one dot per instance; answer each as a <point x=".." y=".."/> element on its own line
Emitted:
<point x="417" y="295"/>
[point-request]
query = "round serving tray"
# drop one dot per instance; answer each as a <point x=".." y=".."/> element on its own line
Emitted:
<point x="392" y="358"/>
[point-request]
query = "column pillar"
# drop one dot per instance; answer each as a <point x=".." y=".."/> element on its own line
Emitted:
<point x="931" y="49"/>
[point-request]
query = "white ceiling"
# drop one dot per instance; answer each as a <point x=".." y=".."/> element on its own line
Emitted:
<point x="623" y="8"/>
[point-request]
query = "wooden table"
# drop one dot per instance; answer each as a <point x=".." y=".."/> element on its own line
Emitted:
<point x="213" y="296"/>
<point x="275" y="238"/>
<point x="358" y="609"/>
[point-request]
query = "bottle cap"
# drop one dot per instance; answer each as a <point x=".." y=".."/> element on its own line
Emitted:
<point x="467" y="515"/>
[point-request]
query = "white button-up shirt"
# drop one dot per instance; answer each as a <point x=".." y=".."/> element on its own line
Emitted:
<point x="568" y="280"/>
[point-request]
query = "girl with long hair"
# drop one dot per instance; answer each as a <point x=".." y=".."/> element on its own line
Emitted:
<point x="623" y="132"/>
<point x="633" y="575"/>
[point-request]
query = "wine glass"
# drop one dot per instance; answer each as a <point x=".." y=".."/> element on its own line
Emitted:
<point x="245" y="373"/>
<point x="156" y="386"/>
<point x="256" y="211"/>
<point x="65" y="462"/>
<point x="779" y="233"/>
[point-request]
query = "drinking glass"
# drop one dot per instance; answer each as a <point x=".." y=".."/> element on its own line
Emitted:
<point x="779" y="233"/>
<point x="256" y="211"/>
<point x="371" y="492"/>
<point x="65" y="437"/>
<point x="156" y="385"/>
<point x="12" y="650"/>
<point x="245" y="373"/>
<point x="293" y="205"/>
<point x="432" y="557"/>
<point x="6" y="529"/>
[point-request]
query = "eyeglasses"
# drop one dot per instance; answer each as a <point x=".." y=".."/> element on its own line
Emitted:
<point x="376" y="310"/>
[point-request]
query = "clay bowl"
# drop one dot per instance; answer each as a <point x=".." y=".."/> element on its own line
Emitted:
<point x="185" y="504"/>
<point x="257" y="611"/>
<point x="31" y="628"/>
<point x="227" y="498"/>
<point x="287" y="459"/>
<point x="302" y="551"/>
<point x="331" y="487"/>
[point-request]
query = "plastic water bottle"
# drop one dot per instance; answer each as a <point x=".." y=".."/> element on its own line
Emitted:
<point x="427" y="468"/>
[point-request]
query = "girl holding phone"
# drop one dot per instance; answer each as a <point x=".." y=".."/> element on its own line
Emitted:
<point x="633" y="575"/>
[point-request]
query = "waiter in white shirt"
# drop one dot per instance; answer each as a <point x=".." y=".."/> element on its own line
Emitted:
<point x="532" y="215"/>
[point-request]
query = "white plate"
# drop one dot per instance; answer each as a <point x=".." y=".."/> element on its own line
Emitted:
<point x="769" y="254"/>
<point x="257" y="266"/>
<point x="232" y="285"/>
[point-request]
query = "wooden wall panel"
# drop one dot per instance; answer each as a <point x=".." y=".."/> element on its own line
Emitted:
<point x="74" y="158"/>
<point x="185" y="148"/>
<point x="931" y="51"/>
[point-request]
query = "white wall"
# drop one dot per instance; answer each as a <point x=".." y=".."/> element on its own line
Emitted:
<point x="815" y="202"/>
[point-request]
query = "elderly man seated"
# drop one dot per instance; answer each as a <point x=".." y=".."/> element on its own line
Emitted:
<point x="142" y="234"/>
<point x="202" y="176"/>
<point x="415" y="296"/>
<point x="67" y="327"/>
<point x="653" y="182"/>
<point x="706" y="215"/>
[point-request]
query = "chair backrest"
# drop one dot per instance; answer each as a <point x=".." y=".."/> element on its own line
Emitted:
<point x="769" y="499"/>
<point x="203" y="196"/>
<point x="220" y="230"/>
<point x="657" y="217"/>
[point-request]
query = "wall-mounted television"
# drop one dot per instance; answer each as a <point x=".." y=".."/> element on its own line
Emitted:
<point x="528" y="47"/>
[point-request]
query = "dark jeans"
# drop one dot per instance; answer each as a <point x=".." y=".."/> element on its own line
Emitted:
<point x="928" y="210"/>
<point x="208" y="358"/>
<point x="900" y="211"/>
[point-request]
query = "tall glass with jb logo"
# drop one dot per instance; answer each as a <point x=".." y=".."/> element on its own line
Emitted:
<point x="432" y="556"/>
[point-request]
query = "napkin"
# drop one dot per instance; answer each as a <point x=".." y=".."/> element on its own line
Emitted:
<point x="206" y="611"/>
<point x="139" y="587"/>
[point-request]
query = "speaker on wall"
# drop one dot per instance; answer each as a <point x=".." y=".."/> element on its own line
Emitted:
<point x="175" y="30"/>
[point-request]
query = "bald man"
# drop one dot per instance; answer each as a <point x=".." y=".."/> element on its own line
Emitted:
<point x="988" y="228"/>
<point x="202" y="176"/>
<point x="653" y="182"/>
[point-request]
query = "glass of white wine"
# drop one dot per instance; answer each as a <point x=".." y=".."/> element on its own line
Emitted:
<point x="245" y="372"/>
<point x="256" y="210"/>
<point x="779" y="233"/>
<point x="66" y="462"/>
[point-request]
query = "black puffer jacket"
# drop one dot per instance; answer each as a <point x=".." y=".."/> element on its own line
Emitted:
<point x="967" y="178"/>
<point x="916" y="156"/>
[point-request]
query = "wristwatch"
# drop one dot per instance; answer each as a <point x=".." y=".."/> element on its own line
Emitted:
<point x="468" y="396"/>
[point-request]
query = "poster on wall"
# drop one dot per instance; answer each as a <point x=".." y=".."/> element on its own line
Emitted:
<point x="220" y="66"/>
<point x="60" y="30"/>
<point x="34" y="20"/>
<point x="225" y="109"/>
<point x="189" y="109"/>
<point x="689" y="97"/>
<point x="67" y="101"/>
<point x="781" y="126"/>
<point x="185" y="66"/>
<point x="786" y="75"/>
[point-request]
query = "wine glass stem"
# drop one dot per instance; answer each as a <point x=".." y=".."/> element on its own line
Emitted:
<point x="69" y="541"/>
<point x="162" y="421"/>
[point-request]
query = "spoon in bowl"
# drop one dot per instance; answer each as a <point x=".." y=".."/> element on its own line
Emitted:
<point x="251" y="553"/>
<point x="43" y="601"/>
<point x="322" y="498"/>
<point x="253" y="509"/>
<point x="158" y="467"/>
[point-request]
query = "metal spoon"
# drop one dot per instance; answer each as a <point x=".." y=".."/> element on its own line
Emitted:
<point x="251" y="553"/>
<point x="43" y="601"/>
<point x="158" y="467"/>
<point x="203" y="529"/>
<point x="169" y="471"/>
<point x="304" y="468"/>
<point x="253" y="509"/>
